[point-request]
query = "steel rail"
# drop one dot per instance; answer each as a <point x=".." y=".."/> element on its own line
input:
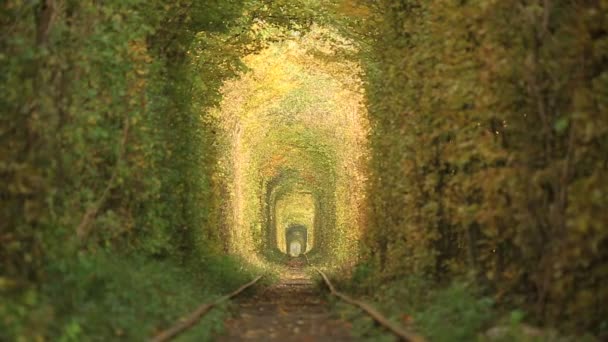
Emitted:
<point x="397" y="330"/>
<point x="190" y="320"/>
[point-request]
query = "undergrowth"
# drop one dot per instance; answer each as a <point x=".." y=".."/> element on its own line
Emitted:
<point x="458" y="311"/>
<point x="110" y="297"/>
<point x="453" y="313"/>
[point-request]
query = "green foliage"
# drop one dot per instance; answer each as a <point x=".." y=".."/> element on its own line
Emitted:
<point x="116" y="297"/>
<point x="106" y="144"/>
<point x="453" y="313"/>
<point x="460" y="314"/>
<point x="488" y="140"/>
<point x="488" y="149"/>
<point x="293" y="133"/>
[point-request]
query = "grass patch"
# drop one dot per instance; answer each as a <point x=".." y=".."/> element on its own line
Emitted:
<point x="105" y="297"/>
<point x="453" y="313"/>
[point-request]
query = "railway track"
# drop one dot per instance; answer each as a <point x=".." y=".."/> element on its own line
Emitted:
<point x="398" y="331"/>
<point x="291" y="310"/>
<point x="194" y="317"/>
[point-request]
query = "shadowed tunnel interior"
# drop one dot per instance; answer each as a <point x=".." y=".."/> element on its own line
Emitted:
<point x="296" y="237"/>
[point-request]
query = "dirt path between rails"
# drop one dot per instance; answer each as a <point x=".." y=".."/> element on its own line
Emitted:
<point x="291" y="310"/>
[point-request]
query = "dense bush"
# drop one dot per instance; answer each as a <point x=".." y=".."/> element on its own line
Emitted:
<point x="103" y="297"/>
<point x="489" y="149"/>
<point x="104" y="143"/>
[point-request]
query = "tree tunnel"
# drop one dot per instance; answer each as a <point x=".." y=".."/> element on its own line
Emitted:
<point x="300" y="188"/>
<point x="295" y="143"/>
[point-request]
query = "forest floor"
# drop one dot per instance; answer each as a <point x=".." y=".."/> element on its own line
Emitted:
<point x="290" y="310"/>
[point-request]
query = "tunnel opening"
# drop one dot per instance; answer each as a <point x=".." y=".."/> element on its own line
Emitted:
<point x="292" y="210"/>
<point x="296" y="240"/>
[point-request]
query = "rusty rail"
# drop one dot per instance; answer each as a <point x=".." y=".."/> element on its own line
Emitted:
<point x="190" y="320"/>
<point x="372" y="312"/>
